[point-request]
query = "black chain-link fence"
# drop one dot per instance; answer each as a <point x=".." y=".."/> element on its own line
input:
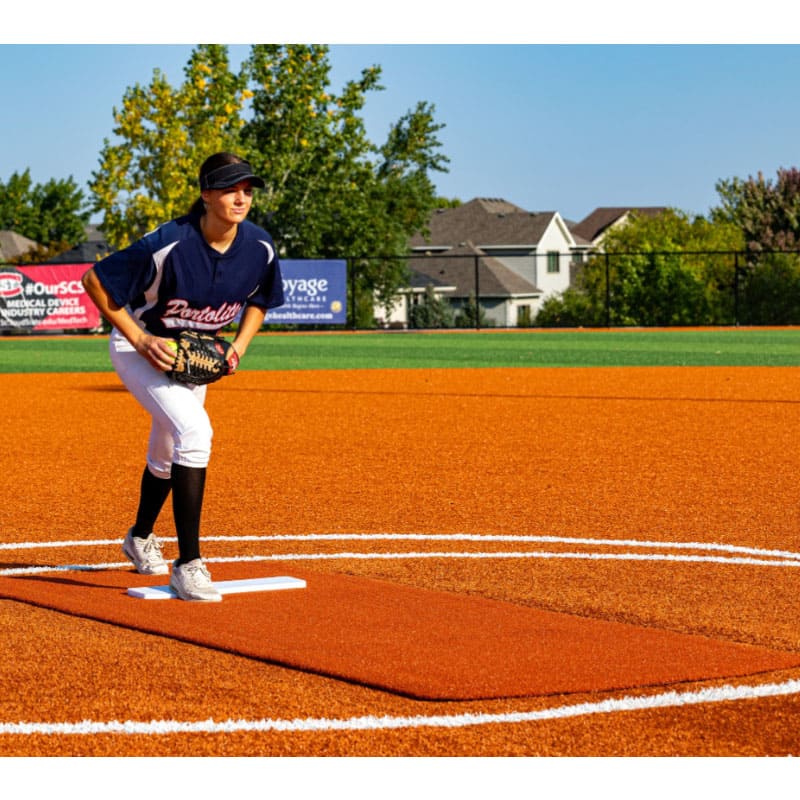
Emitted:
<point x="508" y="289"/>
<point x="642" y="289"/>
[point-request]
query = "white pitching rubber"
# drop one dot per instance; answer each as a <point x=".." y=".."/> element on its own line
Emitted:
<point x="223" y="587"/>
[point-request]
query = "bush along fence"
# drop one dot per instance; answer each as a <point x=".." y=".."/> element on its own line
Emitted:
<point x="622" y="289"/>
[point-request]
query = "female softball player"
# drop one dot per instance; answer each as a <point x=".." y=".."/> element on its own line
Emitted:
<point x="198" y="272"/>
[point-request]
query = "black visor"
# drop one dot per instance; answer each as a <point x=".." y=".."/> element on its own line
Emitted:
<point x="229" y="175"/>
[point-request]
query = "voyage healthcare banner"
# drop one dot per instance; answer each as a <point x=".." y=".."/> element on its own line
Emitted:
<point x="45" y="298"/>
<point x="315" y="292"/>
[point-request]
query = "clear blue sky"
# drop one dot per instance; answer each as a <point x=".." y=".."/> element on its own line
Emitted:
<point x="549" y="127"/>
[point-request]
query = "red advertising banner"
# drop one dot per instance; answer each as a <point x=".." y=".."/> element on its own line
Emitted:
<point x="45" y="298"/>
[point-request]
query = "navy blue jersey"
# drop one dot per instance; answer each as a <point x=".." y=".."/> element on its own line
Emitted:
<point x="173" y="280"/>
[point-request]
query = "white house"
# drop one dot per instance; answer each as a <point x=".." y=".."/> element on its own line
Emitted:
<point x="509" y="258"/>
<point x="506" y="296"/>
<point x="398" y="314"/>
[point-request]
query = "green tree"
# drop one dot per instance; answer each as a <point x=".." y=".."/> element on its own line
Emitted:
<point x="671" y="269"/>
<point x="149" y="174"/>
<point x="471" y="314"/>
<point x="770" y="290"/>
<point x="330" y="190"/>
<point x="575" y="307"/>
<point x="766" y="212"/>
<point x="16" y="205"/>
<point x="61" y="210"/>
<point x="768" y="215"/>
<point x="54" y="214"/>
<point x="676" y="280"/>
<point x="431" y="312"/>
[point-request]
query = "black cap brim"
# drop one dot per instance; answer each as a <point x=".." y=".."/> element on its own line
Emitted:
<point x="229" y="175"/>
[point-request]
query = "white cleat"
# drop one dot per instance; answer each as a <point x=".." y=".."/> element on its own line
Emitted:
<point x="145" y="554"/>
<point x="192" y="581"/>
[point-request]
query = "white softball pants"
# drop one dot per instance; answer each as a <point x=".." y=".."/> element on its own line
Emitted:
<point x="181" y="431"/>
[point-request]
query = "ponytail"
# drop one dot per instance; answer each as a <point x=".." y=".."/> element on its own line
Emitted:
<point x="198" y="207"/>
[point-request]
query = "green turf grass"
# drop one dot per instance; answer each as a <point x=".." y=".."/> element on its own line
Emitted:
<point x="531" y="348"/>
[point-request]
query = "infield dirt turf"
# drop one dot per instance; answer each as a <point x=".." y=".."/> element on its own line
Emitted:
<point x="594" y="458"/>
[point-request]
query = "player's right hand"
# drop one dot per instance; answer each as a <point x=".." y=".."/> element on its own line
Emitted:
<point x="159" y="352"/>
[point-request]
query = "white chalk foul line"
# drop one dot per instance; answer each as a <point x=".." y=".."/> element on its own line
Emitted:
<point x="435" y="537"/>
<point x="432" y="537"/>
<point x="672" y="699"/>
<point x="518" y="554"/>
<point x="697" y="559"/>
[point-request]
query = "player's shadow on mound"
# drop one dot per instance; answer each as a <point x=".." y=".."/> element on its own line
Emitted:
<point x="64" y="581"/>
<point x="109" y="388"/>
<point x="510" y="395"/>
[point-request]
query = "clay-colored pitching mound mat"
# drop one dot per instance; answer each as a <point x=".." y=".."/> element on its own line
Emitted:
<point x="419" y="643"/>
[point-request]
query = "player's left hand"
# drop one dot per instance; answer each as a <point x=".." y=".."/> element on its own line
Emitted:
<point x="232" y="357"/>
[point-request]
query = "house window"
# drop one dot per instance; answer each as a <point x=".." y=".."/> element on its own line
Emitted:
<point x="553" y="261"/>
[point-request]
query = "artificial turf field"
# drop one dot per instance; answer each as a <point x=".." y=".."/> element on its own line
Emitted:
<point x="708" y="347"/>
<point x="637" y="478"/>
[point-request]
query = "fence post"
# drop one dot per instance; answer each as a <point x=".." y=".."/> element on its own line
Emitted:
<point x="608" y="293"/>
<point x="477" y="295"/>
<point x="736" y="289"/>
<point x="352" y="272"/>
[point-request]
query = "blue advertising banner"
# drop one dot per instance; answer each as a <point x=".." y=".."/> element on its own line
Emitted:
<point x="315" y="293"/>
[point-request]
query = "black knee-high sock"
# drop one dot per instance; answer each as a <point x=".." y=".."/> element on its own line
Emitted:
<point x="188" y="486"/>
<point x="152" y="495"/>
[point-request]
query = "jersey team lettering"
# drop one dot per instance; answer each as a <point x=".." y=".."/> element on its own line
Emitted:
<point x="178" y="312"/>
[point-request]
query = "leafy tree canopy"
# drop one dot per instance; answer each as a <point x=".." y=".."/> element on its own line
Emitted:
<point x="672" y="230"/>
<point x="50" y="214"/>
<point x="659" y="270"/>
<point x="432" y="312"/>
<point x="767" y="212"/>
<point x="149" y="174"/>
<point x="330" y="190"/>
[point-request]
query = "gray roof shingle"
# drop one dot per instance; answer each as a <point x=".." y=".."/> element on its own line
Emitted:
<point x="457" y="268"/>
<point x="488" y="222"/>
<point x="601" y="219"/>
<point x="13" y="245"/>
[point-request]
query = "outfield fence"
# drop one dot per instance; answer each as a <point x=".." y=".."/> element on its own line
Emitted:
<point x="641" y="289"/>
<point x="504" y="289"/>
